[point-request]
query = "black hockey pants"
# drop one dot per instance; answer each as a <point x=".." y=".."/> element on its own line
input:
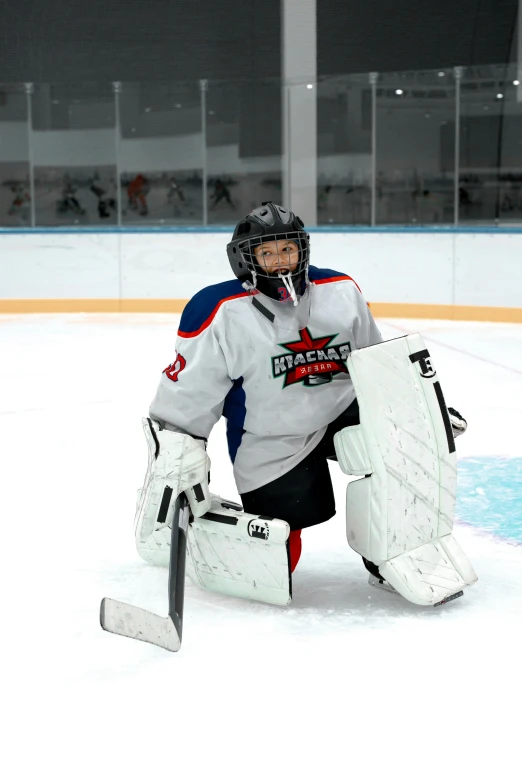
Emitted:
<point x="304" y="496"/>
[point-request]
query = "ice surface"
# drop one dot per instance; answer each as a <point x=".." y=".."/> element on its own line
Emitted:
<point x="349" y="683"/>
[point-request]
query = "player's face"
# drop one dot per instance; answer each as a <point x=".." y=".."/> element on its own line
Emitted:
<point x="278" y="255"/>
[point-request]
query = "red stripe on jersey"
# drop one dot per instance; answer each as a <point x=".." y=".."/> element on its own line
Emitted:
<point x="211" y="316"/>
<point x="336" y="280"/>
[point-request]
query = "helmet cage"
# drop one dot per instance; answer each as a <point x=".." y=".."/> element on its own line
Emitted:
<point x="270" y="223"/>
<point x="280" y="282"/>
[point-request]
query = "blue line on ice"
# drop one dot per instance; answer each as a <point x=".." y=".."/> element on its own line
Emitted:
<point x="489" y="495"/>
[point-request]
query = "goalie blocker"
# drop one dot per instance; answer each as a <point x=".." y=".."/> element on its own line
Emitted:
<point x="400" y="515"/>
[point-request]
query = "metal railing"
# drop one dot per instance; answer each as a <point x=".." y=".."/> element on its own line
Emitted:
<point x="423" y="148"/>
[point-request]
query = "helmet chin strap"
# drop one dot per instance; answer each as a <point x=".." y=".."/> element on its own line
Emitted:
<point x="289" y="285"/>
<point x="287" y="280"/>
<point x="250" y="286"/>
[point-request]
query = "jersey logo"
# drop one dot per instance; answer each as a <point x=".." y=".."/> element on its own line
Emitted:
<point x="312" y="361"/>
<point x="174" y="369"/>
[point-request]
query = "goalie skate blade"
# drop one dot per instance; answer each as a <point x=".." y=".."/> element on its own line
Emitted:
<point x="135" y="623"/>
<point x="381" y="584"/>
<point x="450" y="598"/>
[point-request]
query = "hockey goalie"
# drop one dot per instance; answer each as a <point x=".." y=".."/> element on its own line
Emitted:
<point x="290" y="355"/>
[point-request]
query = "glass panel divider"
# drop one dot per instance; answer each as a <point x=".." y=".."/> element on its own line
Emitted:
<point x="117" y="141"/>
<point x="29" y="93"/>
<point x="203" y="87"/>
<point x="373" y="183"/>
<point x="457" y="71"/>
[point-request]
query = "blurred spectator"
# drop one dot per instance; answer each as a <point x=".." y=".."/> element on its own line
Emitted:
<point x="174" y="192"/>
<point x="221" y="192"/>
<point x="322" y="197"/>
<point x="20" y="203"/>
<point x="464" y="197"/>
<point x="69" y="202"/>
<point x="105" y="203"/>
<point x="136" y="192"/>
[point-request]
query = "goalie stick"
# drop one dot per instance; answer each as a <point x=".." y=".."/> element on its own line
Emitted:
<point x="136" y="623"/>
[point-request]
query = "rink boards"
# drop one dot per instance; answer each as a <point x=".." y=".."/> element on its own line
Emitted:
<point x="467" y="275"/>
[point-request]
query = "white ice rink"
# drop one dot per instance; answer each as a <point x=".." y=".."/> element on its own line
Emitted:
<point x="349" y="683"/>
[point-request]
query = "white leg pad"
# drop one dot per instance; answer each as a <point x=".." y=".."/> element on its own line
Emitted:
<point x="231" y="552"/>
<point x="400" y="515"/>
<point x="430" y="573"/>
<point x="239" y="554"/>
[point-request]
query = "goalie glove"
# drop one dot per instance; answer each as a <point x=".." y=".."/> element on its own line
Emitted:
<point x="177" y="463"/>
<point x="458" y="422"/>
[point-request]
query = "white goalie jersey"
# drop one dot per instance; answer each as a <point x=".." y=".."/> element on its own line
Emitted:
<point x="277" y="372"/>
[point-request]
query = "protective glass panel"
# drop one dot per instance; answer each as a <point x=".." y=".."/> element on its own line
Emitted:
<point x="344" y="142"/>
<point x="74" y="154"/>
<point x="160" y="153"/>
<point x="415" y="147"/>
<point x="243" y="134"/>
<point x="490" y="181"/>
<point x="15" y="199"/>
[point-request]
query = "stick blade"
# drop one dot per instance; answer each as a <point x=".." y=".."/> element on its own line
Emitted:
<point x="135" y="623"/>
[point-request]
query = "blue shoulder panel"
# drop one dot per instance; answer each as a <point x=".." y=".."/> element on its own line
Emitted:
<point x="314" y="273"/>
<point x="200" y="310"/>
<point x="234" y="411"/>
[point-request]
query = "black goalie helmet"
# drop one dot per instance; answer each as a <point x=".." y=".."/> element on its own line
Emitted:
<point x="270" y="251"/>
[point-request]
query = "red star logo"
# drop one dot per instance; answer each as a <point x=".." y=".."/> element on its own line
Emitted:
<point x="307" y="342"/>
<point x="312" y="364"/>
